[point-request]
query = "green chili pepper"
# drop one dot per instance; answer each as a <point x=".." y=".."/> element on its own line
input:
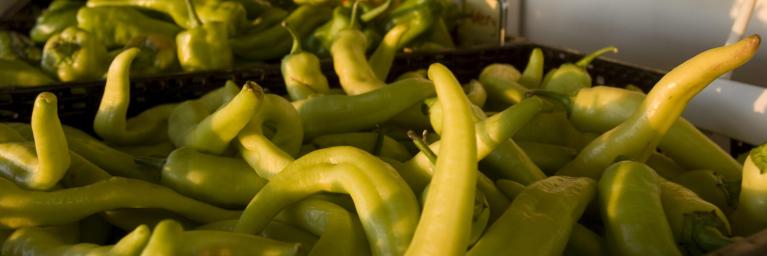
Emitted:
<point x="204" y="46"/>
<point x="698" y="226"/>
<point x="15" y="46"/>
<point x="387" y="208"/>
<point x="301" y="71"/>
<point x="231" y="14"/>
<point x="552" y="128"/>
<point x="130" y="218"/>
<point x="601" y="108"/>
<point x="276" y="230"/>
<point x="480" y="215"/>
<point x="476" y="93"/>
<point x="192" y="124"/>
<point x="213" y="179"/>
<point x="19" y="73"/>
<point x="500" y="82"/>
<point x="569" y="78"/>
<point x="75" y="55"/>
<point x="637" y="137"/>
<point x="157" y="55"/>
<point x="664" y="166"/>
<point x="40" y="164"/>
<point x="709" y="186"/>
<point x="510" y="161"/>
<point x="161" y="149"/>
<point x="59" y="15"/>
<point x="116" y="25"/>
<point x="271" y="16"/>
<point x="22" y="208"/>
<point x="269" y="155"/>
<point x="367" y="141"/>
<point x="275" y="42"/>
<point x="59" y="241"/>
<point x="321" y="39"/>
<point x="383" y="57"/>
<point x="632" y="212"/>
<point x="548" y="157"/>
<point x="419" y="15"/>
<point x="340" y="232"/>
<point x="445" y="223"/>
<point x="340" y="113"/>
<point x="111" y="119"/>
<point x="355" y="74"/>
<point x="111" y="160"/>
<point x="540" y="219"/>
<point x="533" y="74"/>
<point x="749" y="217"/>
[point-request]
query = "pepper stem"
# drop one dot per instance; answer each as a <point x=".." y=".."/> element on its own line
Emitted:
<point x="296" y="41"/>
<point x="353" y="19"/>
<point x="420" y="143"/>
<point x="586" y="60"/>
<point x="196" y="22"/>
<point x="560" y="98"/>
<point x="372" y="14"/>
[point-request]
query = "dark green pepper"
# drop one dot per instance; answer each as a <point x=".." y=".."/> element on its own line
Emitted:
<point x="75" y="55"/>
<point x="204" y="46"/>
<point x="157" y="56"/>
<point x="116" y="25"/>
<point x="15" y="46"/>
<point x="322" y="38"/>
<point x="59" y="15"/>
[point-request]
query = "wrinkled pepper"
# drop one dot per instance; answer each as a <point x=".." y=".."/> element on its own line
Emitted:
<point x="15" y="46"/>
<point x="301" y="71"/>
<point x="115" y="26"/>
<point x="204" y="46"/>
<point x="355" y="74"/>
<point x="637" y="137"/>
<point x="157" y="56"/>
<point x="59" y="15"/>
<point x="75" y="55"/>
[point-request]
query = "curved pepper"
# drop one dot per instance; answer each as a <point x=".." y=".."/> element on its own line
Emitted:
<point x="632" y="211"/>
<point x="355" y="75"/>
<point x="322" y="38"/>
<point x="569" y="78"/>
<point x="58" y="241"/>
<point x="383" y="57"/>
<point x="749" y="217"/>
<point x="445" y="222"/>
<point x="115" y="26"/>
<point x="194" y="124"/>
<point x="710" y="186"/>
<point x="275" y="42"/>
<point x="23" y="208"/>
<point x="540" y="219"/>
<point x="204" y="46"/>
<point x="75" y="55"/>
<point x="476" y="93"/>
<point x="340" y="113"/>
<point x="500" y="82"/>
<point x="157" y="56"/>
<point x="213" y="179"/>
<point x="19" y="73"/>
<point x="41" y="164"/>
<point x="301" y="71"/>
<point x="111" y="121"/>
<point x="419" y="15"/>
<point x="387" y="208"/>
<point x="637" y="137"/>
<point x="533" y="74"/>
<point x="601" y="108"/>
<point x="340" y="232"/>
<point x="698" y="226"/>
<point x="367" y="141"/>
<point x="59" y="15"/>
<point x="269" y="155"/>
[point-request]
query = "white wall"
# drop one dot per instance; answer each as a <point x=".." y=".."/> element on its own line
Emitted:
<point x="653" y="33"/>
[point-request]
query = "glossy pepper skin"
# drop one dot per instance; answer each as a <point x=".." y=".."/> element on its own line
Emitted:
<point x="632" y="229"/>
<point x="445" y="223"/>
<point x="19" y="73"/>
<point x="419" y="15"/>
<point x="383" y="57"/>
<point x="569" y="78"/>
<point x="59" y="15"/>
<point x="115" y="26"/>
<point x="301" y="71"/>
<point x="111" y="121"/>
<point x="749" y="217"/>
<point x="387" y="208"/>
<point x="75" y="55"/>
<point x="38" y="165"/>
<point x="368" y="141"/>
<point x="355" y="74"/>
<point x="275" y="42"/>
<point x="15" y="46"/>
<point x="204" y="46"/>
<point x="637" y="137"/>
<point x="23" y="208"/>
<point x="540" y="219"/>
<point x="532" y="76"/>
<point x="61" y="240"/>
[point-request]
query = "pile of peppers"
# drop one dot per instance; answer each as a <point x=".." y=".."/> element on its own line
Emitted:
<point x="526" y="163"/>
<point x="74" y="40"/>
